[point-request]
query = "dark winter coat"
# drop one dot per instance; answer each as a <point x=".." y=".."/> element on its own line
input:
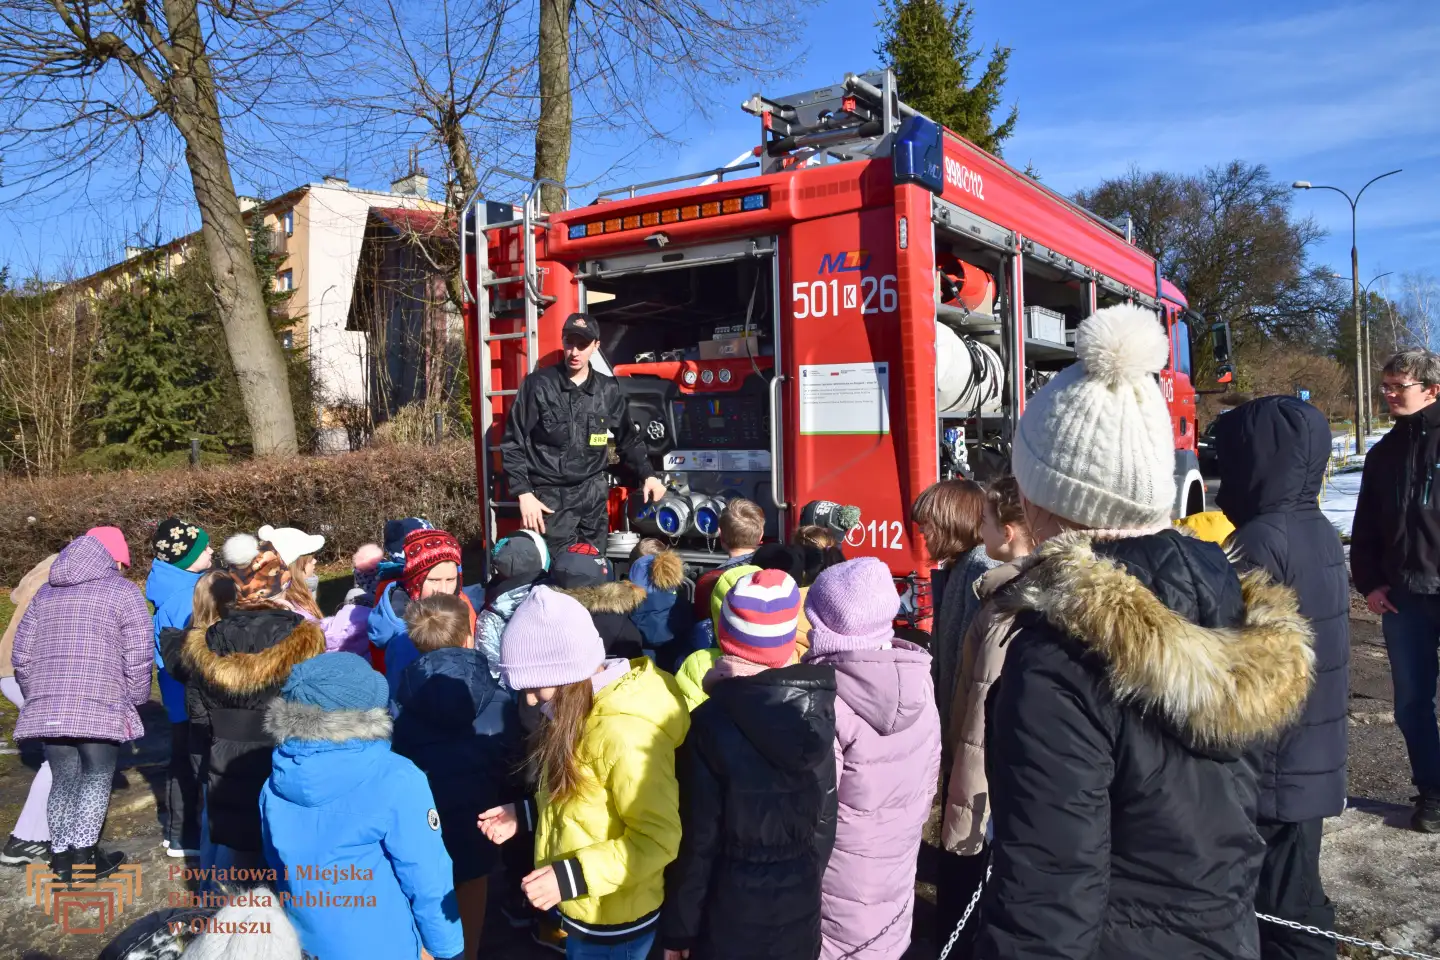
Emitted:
<point x="1119" y="744"/>
<point x="610" y="605"/>
<point x="459" y="726"/>
<point x="236" y="668"/>
<point x="1395" y="540"/>
<point x="555" y="434"/>
<point x="1272" y="454"/>
<point x="757" y="809"/>
<point x="83" y="651"/>
<point x="663" y="615"/>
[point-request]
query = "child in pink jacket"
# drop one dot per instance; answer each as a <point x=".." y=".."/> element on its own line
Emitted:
<point x="887" y="756"/>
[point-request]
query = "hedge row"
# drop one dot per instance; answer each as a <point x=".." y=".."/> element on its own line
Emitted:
<point x="347" y="498"/>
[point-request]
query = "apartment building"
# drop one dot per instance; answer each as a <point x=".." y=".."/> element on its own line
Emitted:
<point x="319" y="228"/>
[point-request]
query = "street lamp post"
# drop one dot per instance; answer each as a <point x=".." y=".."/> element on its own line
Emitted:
<point x="1369" y="364"/>
<point x="1361" y="428"/>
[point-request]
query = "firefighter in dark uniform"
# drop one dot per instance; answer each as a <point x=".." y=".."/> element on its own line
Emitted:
<point x="556" y="444"/>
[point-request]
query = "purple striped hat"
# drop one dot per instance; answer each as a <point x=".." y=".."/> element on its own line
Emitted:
<point x="758" y="618"/>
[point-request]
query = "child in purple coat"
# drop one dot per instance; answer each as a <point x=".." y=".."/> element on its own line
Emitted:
<point x="83" y="654"/>
<point x="887" y="758"/>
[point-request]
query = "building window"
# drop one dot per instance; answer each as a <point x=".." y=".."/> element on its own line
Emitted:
<point x="287" y="222"/>
<point x="285" y="280"/>
<point x="287" y="340"/>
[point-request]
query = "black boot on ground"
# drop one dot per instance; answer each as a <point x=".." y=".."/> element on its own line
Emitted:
<point x="60" y="864"/>
<point x="1426" y="818"/>
<point x="93" y="858"/>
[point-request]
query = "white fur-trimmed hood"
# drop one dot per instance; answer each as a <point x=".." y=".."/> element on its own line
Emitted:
<point x="302" y="721"/>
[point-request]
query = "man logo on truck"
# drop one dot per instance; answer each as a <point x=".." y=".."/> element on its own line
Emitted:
<point x="851" y="261"/>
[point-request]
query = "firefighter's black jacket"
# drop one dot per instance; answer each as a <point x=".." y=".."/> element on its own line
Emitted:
<point x="556" y="433"/>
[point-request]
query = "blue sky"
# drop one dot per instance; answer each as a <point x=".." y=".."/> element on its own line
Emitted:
<point x="1329" y="92"/>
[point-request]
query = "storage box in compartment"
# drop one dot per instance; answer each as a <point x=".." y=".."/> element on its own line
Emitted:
<point x="1044" y="324"/>
<point x="730" y="349"/>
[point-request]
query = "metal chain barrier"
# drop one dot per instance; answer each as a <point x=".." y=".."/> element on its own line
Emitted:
<point x="1378" y="948"/>
<point x="965" y="917"/>
<point x="1341" y="938"/>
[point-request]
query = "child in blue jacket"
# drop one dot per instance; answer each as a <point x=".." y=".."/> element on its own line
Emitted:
<point x="349" y="827"/>
<point x="182" y="554"/>
<point x="432" y="567"/>
<point x="666" y="620"/>
<point x="459" y="725"/>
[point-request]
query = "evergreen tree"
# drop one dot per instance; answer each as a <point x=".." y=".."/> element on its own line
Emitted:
<point x="929" y="47"/>
<point x="165" y="375"/>
<point x="154" y="381"/>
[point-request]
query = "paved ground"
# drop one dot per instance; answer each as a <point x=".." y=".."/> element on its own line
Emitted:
<point x="1385" y="880"/>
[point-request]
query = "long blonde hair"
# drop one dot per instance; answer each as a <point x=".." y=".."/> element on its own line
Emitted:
<point x="554" y="742"/>
<point x="298" y="595"/>
<point x="215" y="595"/>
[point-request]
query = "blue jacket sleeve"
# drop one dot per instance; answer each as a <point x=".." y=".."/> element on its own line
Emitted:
<point x="379" y="627"/>
<point x="421" y="864"/>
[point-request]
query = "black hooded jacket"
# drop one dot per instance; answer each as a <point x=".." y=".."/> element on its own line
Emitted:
<point x="235" y="669"/>
<point x="1395" y="541"/>
<point x="757" y="808"/>
<point x="1272" y="453"/>
<point x="1118" y="750"/>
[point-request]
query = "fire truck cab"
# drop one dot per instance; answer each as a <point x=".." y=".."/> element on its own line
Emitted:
<point x="858" y="309"/>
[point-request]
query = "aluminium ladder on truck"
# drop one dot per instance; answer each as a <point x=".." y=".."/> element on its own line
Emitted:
<point x="532" y="217"/>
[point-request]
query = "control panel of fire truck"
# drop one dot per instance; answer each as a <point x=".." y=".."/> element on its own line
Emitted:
<point x="693" y="352"/>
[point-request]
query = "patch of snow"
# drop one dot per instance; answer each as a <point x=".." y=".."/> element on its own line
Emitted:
<point x="1342" y="488"/>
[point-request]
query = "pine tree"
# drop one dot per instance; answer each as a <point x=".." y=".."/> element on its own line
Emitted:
<point x="928" y="47"/>
<point x="165" y="377"/>
<point x="154" y="381"/>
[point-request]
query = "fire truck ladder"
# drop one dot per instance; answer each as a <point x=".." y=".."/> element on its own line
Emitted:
<point x="532" y="217"/>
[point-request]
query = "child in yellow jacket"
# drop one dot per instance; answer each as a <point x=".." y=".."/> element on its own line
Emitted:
<point x="606" y="817"/>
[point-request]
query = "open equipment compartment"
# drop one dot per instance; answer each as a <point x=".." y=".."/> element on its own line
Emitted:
<point x="691" y="338"/>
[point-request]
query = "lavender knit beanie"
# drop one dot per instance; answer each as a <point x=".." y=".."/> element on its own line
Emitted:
<point x="852" y="606"/>
<point x="550" y="641"/>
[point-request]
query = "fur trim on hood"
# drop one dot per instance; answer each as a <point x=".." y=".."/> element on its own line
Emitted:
<point x="667" y="570"/>
<point x="304" y="721"/>
<point x="1223" y="688"/>
<point x="242" y="674"/>
<point x="616" y="596"/>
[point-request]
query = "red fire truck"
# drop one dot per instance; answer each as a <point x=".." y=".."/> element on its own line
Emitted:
<point x="859" y="310"/>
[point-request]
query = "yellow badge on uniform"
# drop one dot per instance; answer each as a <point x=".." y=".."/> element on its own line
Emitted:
<point x="599" y="439"/>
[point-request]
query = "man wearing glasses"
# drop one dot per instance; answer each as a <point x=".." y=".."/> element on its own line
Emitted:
<point x="556" y="444"/>
<point x="1395" y="560"/>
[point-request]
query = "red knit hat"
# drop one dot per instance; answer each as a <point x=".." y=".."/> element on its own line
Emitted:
<point x="424" y="549"/>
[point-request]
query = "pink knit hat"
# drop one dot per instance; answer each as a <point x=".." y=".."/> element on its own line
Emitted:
<point x="550" y="641"/>
<point x="852" y="606"/>
<point x="114" y="542"/>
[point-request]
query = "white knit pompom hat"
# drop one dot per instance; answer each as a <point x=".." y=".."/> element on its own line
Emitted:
<point x="1095" y="445"/>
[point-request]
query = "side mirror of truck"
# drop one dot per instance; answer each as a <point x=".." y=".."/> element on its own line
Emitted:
<point x="1220" y="343"/>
